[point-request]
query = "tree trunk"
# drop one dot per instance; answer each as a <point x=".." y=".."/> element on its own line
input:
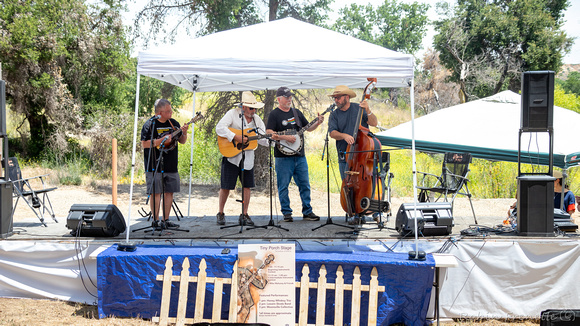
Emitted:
<point x="261" y="160"/>
<point x="38" y="133"/>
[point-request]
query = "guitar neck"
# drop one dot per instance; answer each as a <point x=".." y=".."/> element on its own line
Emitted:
<point x="287" y="132"/>
<point x="311" y="123"/>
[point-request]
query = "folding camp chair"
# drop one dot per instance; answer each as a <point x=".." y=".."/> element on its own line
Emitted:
<point x="24" y="189"/>
<point x="452" y="181"/>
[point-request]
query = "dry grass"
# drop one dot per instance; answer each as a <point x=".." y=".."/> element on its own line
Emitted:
<point x="52" y="312"/>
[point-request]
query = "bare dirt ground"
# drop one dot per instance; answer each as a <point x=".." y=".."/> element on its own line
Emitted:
<point x="50" y="312"/>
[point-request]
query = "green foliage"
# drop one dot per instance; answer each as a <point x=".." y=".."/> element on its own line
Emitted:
<point x="58" y="55"/>
<point x="487" y="179"/>
<point x="566" y="100"/>
<point x="487" y="44"/>
<point x="572" y="83"/>
<point x="206" y="159"/>
<point x="393" y="25"/>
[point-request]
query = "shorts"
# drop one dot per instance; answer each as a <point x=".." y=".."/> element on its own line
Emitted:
<point x="231" y="173"/>
<point x="171" y="183"/>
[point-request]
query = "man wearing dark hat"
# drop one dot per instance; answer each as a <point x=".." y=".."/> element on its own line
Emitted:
<point x="342" y="121"/>
<point x="240" y="118"/>
<point x="290" y="159"/>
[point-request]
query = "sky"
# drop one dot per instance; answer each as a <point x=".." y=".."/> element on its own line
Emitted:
<point x="571" y="26"/>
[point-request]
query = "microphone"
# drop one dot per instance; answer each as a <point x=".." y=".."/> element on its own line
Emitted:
<point x="156" y="117"/>
<point x="253" y="130"/>
<point x="164" y="140"/>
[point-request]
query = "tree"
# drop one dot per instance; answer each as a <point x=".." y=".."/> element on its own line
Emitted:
<point x="572" y="83"/>
<point x="210" y="16"/>
<point x="57" y="55"/>
<point x="392" y="25"/>
<point x="487" y="44"/>
<point x="203" y="17"/>
<point x="432" y="90"/>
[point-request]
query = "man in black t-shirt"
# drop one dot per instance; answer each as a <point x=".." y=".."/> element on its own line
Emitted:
<point x="165" y="133"/>
<point x="289" y="153"/>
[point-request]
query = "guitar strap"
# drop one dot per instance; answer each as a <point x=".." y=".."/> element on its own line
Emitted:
<point x="298" y="122"/>
<point x="172" y="126"/>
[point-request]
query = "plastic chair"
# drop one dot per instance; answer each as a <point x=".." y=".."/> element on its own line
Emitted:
<point x="452" y="181"/>
<point x="23" y="189"/>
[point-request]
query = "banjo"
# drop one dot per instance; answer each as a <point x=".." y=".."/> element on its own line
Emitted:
<point x="288" y="148"/>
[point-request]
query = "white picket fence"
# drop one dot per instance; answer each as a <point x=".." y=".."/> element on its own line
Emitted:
<point x="304" y="285"/>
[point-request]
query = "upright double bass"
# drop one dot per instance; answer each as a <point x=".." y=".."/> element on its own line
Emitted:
<point x="362" y="190"/>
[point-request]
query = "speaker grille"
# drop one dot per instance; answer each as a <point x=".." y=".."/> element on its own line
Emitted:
<point x="537" y="101"/>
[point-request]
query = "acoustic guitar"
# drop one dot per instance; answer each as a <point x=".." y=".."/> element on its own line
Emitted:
<point x="176" y="134"/>
<point x="233" y="148"/>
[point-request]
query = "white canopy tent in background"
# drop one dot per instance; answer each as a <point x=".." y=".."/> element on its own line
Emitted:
<point x="489" y="128"/>
<point x="249" y="58"/>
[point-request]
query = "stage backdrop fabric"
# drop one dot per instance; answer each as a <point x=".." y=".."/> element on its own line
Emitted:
<point x="488" y="128"/>
<point x="128" y="287"/>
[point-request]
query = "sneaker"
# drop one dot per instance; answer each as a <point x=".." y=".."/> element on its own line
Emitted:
<point x="245" y="220"/>
<point x="169" y="224"/>
<point x="354" y="220"/>
<point x="311" y="217"/>
<point x="155" y="224"/>
<point x="221" y="218"/>
<point x="288" y="218"/>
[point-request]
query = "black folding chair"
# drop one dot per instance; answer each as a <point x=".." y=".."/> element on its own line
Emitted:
<point x="24" y="189"/>
<point x="453" y="180"/>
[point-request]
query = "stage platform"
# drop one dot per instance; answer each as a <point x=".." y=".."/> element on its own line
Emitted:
<point x="496" y="275"/>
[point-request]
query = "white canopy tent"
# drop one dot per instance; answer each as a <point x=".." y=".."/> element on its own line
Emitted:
<point x="248" y="58"/>
<point x="489" y="128"/>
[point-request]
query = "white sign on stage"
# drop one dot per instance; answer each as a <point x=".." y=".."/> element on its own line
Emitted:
<point x="266" y="288"/>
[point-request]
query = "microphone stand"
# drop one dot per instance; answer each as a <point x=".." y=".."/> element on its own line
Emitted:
<point x="329" y="219"/>
<point x="151" y="190"/>
<point x="271" y="222"/>
<point x="241" y="221"/>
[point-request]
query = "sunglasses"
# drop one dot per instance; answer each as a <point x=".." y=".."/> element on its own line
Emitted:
<point x="338" y="97"/>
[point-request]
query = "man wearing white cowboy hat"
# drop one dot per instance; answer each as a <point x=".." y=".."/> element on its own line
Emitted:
<point x="342" y="121"/>
<point x="240" y="118"/>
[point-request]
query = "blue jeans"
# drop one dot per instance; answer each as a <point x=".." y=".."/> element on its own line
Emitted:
<point x="293" y="167"/>
<point x="342" y="166"/>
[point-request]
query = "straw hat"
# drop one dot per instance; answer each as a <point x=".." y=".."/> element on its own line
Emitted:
<point x="249" y="100"/>
<point x="342" y="90"/>
<point x="557" y="174"/>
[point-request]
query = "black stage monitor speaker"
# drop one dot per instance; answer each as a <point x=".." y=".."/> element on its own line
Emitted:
<point x="563" y="317"/>
<point x="431" y="218"/>
<point x="5" y="209"/>
<point x="536" y="205"/>
<point x="537" y="101"/>
<point x="95" y="220"/>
